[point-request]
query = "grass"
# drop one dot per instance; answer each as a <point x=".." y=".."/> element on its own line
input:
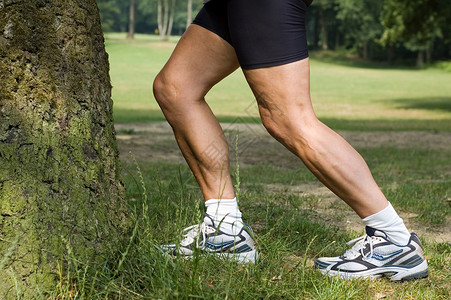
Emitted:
<point x="290" y="236"/>
<point x="290" y="233"/>
<point x="346" y="92"/>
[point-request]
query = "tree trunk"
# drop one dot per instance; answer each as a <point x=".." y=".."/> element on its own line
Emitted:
<point x="189" y="15"/>
<point x="316" y="31"/>
<point x="165" y="19"/>
<point x="132" y="21"/>
<point x="163" y="13"/>
<point x="160" y="17"/>
<point x="420" y="59"/>
<point x="390" y="53"/>
<point x="365" y="50"/>
<point x="324" y="37"/>
<point x="337" y="40"/>
<point x="60" y="184"/>
<point x="429" y="54"/>
<point x="171" y="20"/>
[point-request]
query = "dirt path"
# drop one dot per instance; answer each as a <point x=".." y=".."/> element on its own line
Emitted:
<point x="155" y="142"/>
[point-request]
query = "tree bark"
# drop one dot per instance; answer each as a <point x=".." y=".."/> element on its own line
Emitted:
<point x="60" y="184"/>
<point x="132" y="20"/>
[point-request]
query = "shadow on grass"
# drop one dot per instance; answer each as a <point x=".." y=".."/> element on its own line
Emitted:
<point x="434" y="103"/>
<point x="388" y="125"/>
<point x="137" y="116"/>
<point x="144" y="116"/>
<point x="344" y="59"/>
<point x="149" y="115"/>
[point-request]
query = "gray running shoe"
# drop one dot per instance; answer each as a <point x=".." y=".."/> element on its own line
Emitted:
<point x="373" y="256"/>
<point x="211" y="240"/>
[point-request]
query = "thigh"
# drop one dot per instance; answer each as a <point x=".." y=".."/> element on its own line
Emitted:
<point x="283" y="92"/>
<point x="200" y="60"/>
<point x="267" y="33"/>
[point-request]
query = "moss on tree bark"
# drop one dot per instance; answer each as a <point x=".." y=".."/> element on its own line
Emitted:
<point x="59" y="168"/>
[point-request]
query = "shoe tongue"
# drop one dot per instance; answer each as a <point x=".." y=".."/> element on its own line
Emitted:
<point x="370" y="231"/>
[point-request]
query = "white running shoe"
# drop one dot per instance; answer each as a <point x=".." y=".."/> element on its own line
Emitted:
<point x="211" y="240"/>
<point x="373" y="256"/>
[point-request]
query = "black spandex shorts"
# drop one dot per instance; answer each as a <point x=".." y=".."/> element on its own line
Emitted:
<point x="264" y="33"/>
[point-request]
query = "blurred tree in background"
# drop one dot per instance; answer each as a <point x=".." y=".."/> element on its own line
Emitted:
<point x="173" y="15"/>
<point x="359" y="23"/>
<point x="417" y="24"/>
<point x="114" y="15"/>
<point x="325" y="17"/>
<point x="386" y="30"/>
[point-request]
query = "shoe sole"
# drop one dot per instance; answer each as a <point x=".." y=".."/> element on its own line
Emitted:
<point x="393" y="272"/>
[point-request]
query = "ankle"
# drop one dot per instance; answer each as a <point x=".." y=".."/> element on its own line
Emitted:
<point x="225" y="214"/>
<point x="388" y="221"/>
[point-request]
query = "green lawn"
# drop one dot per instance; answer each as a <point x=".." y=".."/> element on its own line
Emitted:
<point x="290" y="230"/>
<point x="290" y="234"/>
<point x="344" y="94"/>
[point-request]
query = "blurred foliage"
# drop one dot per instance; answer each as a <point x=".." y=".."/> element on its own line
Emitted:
<point x="115" y="15"/>
<point x="388" y="30"/>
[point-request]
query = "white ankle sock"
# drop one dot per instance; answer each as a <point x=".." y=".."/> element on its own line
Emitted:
<point x="388" y="221"/>
<point x="225" y="212"/>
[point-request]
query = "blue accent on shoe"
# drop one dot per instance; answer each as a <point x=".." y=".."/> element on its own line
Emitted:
<point x="382" y="257"/>
<point x="213" y="246"/>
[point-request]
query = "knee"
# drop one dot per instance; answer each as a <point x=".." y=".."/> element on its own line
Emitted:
<point x="165" y="91"/>
<point x="293" y="130"/>
<point x="282" y="130"/>
<point x="272" y="126"/>
<point x="279" y="124"/>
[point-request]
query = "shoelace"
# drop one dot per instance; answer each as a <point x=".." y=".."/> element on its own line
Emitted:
<point x="359" y="246"/>
<point x="195" y="231"/>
